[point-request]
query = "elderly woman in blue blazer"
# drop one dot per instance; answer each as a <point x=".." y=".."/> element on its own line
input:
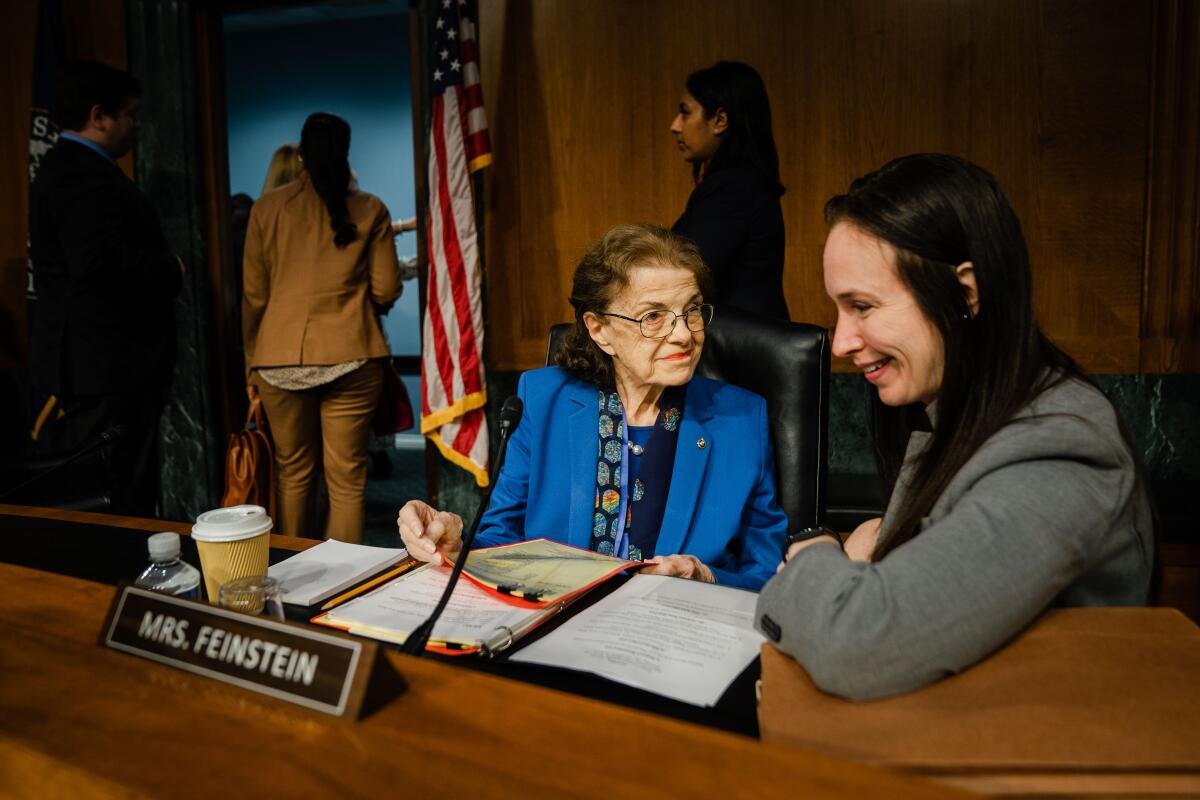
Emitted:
<point x="622" y="449"/>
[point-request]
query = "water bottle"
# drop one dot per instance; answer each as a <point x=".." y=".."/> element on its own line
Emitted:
<point x="167" y="573"/>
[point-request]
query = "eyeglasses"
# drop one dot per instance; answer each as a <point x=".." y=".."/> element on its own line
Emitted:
<point x="659" y="324"/>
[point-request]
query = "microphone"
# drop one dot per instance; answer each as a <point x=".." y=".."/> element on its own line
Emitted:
<point x="510" y="418"/>
<point x="108" y="436"/>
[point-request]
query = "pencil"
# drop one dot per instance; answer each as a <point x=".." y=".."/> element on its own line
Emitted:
<point x="371" y="584"/>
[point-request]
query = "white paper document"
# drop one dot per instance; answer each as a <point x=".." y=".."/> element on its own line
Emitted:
<point x="682" y="639"/>
<point x="322" y="571"/>
<point x="391" y="612"/>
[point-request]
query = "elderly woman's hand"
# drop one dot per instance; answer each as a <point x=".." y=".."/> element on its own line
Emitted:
<point x="429" y="534"/>
<point x="678" y="566"/>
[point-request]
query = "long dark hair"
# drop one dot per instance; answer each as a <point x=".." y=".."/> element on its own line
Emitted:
<point x="747" y="142"/>
<point x="601" y="275"/>
<point x="939" y="211"/>
<point x="325" y="147"/>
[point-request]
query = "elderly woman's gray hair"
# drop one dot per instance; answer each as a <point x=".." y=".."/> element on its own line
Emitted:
<point x="601" y="275"/>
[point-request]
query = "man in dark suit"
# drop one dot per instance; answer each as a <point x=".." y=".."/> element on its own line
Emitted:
<point x="104" y="323"/>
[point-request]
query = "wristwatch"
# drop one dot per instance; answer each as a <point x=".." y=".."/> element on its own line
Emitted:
<point x="808" y="533"/>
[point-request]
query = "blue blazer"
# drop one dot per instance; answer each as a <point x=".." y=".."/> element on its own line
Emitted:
<point x="721" y="507"/>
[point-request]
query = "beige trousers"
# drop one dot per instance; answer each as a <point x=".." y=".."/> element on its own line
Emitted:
<point x="337" y="418"/>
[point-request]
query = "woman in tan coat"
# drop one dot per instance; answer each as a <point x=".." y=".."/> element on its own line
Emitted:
<point x="320" y="267"/>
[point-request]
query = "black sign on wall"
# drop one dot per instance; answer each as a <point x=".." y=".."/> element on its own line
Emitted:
<point x="47" y="58"/>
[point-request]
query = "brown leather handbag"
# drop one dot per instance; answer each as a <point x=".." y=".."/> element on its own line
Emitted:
<point x="250" y="463"/>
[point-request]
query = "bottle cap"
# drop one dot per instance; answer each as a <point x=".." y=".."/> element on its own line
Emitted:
<point x="163" y="546"/>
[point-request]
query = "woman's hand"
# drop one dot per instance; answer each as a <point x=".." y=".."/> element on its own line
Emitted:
<point x="403" y="226"/>
<point x="429" y="534"/>
<point x="680" y="567"/>
<point x="861" y="544"/>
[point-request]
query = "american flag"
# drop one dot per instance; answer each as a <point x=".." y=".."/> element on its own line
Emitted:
<point x="453" y="389"/>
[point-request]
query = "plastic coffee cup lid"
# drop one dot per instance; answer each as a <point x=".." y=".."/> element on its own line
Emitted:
<point x="231" y="524"/>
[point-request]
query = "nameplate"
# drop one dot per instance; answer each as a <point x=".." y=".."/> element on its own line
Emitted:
<point x="288" y="662"/>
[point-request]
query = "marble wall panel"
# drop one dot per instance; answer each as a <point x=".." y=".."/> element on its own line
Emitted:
<point x="169" y="172"/>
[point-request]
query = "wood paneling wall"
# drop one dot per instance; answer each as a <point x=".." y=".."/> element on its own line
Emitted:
<point x="16" y="80"/>
<point x="1055" y="98"/>
<point x="1171" y="293"/>
<point x="91" y="29"/>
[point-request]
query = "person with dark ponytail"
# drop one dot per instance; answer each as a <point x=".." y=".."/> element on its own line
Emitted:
<point x="1012" y="484"/>
<point x="723" y="129"/>
<point x="319" y="269"/>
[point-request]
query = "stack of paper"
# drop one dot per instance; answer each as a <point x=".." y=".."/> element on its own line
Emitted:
<point x="320" y="572"/>
<point x="511" y="590"/>
<point x="682" y="639"/>
<point x="473" y="619"/>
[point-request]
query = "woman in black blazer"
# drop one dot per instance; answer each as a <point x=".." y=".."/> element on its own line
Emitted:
<point x="723" y="129"/>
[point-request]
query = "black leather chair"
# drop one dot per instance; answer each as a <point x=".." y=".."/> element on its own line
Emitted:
<point x="788" y="364"/>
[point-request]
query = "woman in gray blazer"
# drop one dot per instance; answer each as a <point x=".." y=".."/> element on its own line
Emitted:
<point x="1012" y="486"/>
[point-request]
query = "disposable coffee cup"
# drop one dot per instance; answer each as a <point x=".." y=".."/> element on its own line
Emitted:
<point x="233" y="543"/>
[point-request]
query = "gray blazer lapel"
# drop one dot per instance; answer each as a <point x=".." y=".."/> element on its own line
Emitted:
<point x="691" y="462"/>
<point x="917" y="441"/>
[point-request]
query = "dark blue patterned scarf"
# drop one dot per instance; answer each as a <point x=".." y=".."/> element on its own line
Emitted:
<point x="644" y="506"/>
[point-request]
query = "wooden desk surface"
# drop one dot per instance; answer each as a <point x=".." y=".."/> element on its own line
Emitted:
<point x="77" y="719"/>
<point x="1085" y="701"/>
<point x="137" y="523"/>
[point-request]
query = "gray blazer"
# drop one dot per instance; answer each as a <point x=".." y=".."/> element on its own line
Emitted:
<point x="1046" y="513"/>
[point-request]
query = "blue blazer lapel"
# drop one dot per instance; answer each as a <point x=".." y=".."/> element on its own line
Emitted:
<point x="581" y="458"/>
<point x="691" y="461"/>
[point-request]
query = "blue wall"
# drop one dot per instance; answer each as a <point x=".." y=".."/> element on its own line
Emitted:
<point x="357" y="69"/>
